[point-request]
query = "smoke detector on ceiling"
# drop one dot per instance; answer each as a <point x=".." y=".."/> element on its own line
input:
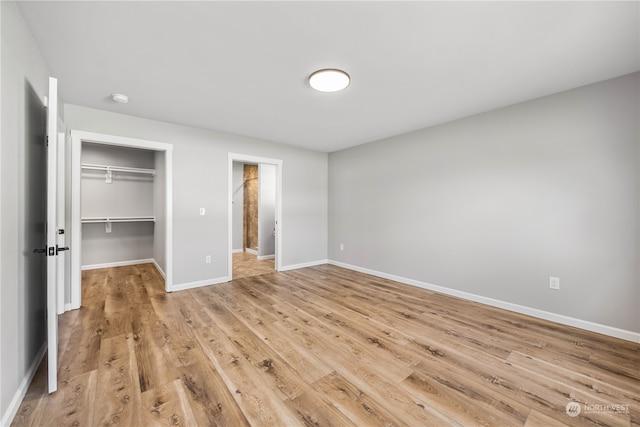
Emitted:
<point x="118" y="97"/>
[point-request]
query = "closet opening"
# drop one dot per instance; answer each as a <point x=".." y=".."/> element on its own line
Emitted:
<point x="121" y="205"/>
<point x="254" y="217"/>
<point x="117" y="207"/>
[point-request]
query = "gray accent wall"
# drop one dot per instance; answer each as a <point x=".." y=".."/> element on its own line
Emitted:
<point x="200" y="180"/>
<point x="495" y="204"/>
<point x="24" y="76"/>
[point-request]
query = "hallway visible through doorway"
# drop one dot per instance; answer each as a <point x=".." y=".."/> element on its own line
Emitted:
<point x="253" y="238"/>
<point x="254" y="223"/>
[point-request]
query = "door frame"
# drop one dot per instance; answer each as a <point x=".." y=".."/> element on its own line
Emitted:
<point x="79" y="137"/>
<point x="246" y="158"/>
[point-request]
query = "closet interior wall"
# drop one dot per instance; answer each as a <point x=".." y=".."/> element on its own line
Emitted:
<point x="122" y="238"/>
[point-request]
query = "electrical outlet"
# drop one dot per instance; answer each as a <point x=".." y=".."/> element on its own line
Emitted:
<point x="342" y="246"/>
<point x="554" y="283"/>
<point x="207" y="259"/>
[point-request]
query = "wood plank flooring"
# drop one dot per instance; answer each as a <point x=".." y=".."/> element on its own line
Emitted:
<point x="322" y="346"/>
<point x="247" y="265"/>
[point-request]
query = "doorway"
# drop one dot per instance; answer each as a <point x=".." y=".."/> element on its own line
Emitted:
<point x="162" y="202"/>
<point x="254" y="215"/>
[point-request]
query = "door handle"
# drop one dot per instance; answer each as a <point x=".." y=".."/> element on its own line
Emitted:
<point x="58" y="249"/>
<point x="49" y="251"/>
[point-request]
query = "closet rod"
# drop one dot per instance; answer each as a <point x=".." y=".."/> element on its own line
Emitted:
<point x="118" y="169"/>
<point x="96" y="220"/>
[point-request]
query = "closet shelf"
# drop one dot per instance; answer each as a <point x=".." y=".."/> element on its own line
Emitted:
<point x="97" y="220"/>
<point x="119" y="169"/>
<point x="107" y="221"/>
<point x="123" y="169"/>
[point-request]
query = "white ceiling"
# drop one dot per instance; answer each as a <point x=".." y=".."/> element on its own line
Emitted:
<point x="241" y="67"/>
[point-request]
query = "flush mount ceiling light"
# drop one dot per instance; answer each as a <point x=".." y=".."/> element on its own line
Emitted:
<point x="329" y="80"/>
<point x="118" y="97"/>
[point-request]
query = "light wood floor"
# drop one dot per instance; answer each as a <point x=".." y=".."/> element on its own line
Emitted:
<point x="321" y="346"/>
<point x="247" y="265"/>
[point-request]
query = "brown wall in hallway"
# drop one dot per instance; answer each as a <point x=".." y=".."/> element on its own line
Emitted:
<point x="250" y="228"/>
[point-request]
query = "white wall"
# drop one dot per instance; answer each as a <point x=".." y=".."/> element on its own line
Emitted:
<point x="266" y="209"/>
<point x="22" y="321"/>
<point x="494" y="204"/>
<point x="200" y="160"/>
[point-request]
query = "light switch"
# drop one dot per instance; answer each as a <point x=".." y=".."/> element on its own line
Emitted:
<point x="201" y="211"/>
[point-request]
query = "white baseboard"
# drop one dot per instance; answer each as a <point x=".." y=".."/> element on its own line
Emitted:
<point x="251" y="251"/>
<point x="265" y="257"/>
<point x="155" y="264"/>
<point x="200" y="283"/>
<point x="68" y="307"/>
<point x="303" y="265"/>
<point x="118" y="264"/>
<point x="534" y="312"/>
<point x="237" y="251"/>
<point x="12" y="410"/>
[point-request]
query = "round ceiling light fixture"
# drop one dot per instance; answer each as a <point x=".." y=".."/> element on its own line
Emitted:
<point x="118" y="97"/>
<point x="329" y="80"/>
